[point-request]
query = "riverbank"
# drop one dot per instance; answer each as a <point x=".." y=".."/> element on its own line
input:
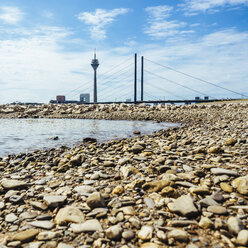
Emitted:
<point x="182" y="187"/>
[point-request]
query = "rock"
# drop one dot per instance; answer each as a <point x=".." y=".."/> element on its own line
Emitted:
<point x="69" y="214"/>
<point x="44" y="224"/>
<point x="206" y="223"/>
<point x="54" y="200"/>
<point x="241" y="185"/>
<point x="214" y="149"/>
<point x="200" y="190"/>
<point x="114" y="232"/>
<point x="137" y="148"/>
<point x="208" y="201"/>
<point x="128" y="170"/>
<point x="230" y="141"/>
<point x="118" y="190"/>
<point x="48" y="235"/>
<point x="242" y="238"/>
<point x="234" y="225"/>
<point x="178" y="235"/>
<point x="95" y="200"/>
<point x="156" y="186"/>
<point x="88" y="226"/>
<point x="145" y="233"/>
<point x="169" y="192"/>
<point x="11" y="218"/>
<point x="217" y="210"/>
<point x="220" y="171"/>
<point x="161" y="235"/>
<point x="149" y="202"/>
<point x="38" y="205"/>
<point x="128" y="235"/>
<point x="13" y="184"/>
<point x="150" y="245"/>
<point x="84" y="189"/>
<point x="226" y="187"/>
<point x="183" y="205"/>
<point x="63" y="245"/>
<point x="26" y="236"/>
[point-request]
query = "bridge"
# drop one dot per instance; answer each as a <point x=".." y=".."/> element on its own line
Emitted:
<point x="122" y="83"/>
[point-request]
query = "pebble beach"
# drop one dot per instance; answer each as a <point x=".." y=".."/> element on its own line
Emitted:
<point x="182" y="187"/>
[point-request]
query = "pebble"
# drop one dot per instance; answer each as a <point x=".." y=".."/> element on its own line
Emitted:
<point x="242" y="238"/>
<point x="235" y="225"/>
<point x="11" y="218"/>
<point x="43" y="224"/>
<point x="114" y="232"/>
<point x="145" y="233"/>
<point x="178" y="235"/>
<point x="69" y="214"/>
<point x="88" y="226"/>
<point x="217" y="210"/>
<point x="184" y="205"/>
<point x="27" y="235"/>
<point x="54" y="200"/>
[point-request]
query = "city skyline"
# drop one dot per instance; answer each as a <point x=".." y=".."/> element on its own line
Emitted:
<point x="46" y="47"/>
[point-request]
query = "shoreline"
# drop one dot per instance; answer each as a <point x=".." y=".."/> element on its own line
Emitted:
<point x="181" y="187"/>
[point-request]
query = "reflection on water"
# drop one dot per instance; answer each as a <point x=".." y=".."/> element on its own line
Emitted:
<point x="23" y="135"/>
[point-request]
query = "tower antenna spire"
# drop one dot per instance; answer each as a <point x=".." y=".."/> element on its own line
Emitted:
<point x="95" y="53"/>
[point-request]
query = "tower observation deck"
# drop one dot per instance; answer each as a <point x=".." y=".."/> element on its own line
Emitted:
<point x="95" y="64"/>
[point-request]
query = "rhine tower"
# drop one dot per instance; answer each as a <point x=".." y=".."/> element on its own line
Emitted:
<point x="95" y="64"/>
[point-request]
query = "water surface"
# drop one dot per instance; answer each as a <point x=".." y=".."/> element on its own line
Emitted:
<point x="26" y="135"/>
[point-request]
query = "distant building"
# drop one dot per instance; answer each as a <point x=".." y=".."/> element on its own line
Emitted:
<point x="60" y="99"/>
<point x="85" y="98"/>
<point x="206" y="98"/>
<point x="128" y="100"/>
<point x="197" y="98"/>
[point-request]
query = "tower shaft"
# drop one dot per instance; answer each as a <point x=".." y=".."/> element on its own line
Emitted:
<point x="95" y="87"/>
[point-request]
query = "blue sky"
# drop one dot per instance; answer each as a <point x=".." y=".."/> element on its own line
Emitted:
<point x="46" y="48"/>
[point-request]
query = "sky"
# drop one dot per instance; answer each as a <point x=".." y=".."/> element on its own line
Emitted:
<point x="46" y="47"/>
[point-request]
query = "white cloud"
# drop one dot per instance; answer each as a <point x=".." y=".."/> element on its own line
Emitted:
<point x="193" y="6"/>
<point x="158" y="27"/>
<point x="99" y="19"/>
<point x="11" y="15"/>
<point x="48" y="14"/>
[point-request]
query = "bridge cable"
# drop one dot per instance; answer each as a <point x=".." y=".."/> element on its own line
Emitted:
<point x="202" y="80"/>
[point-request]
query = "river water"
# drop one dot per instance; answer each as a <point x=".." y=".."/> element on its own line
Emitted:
<point x="26" y="135"/>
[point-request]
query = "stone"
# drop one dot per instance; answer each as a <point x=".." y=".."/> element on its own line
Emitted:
<point x="161" y="235"/>
<point x="183" y="205"/>
<point x="54" y="200"/>
<point x="178" y="235"/>
<point x="156" y="186"/>
<point x="214" y="149"/>
<point x="114" y="232"/>
<point x="11" y="218"/>
<point x="36" y="244"/>
<point x="200" y="190"/>
<point x="137" y="148"/>
<point x="230" y="141"/>
<point x="69" y="214"/>
<point x="28" y="215"/>
<point x="95" y="200"/>
<point x="47" y="235"/>
<point x="26" y="235"/>
<point x="38" y="205"/>
<point x="220" y="171"/>
<point x="128" y="235"/>
<point x="208" y="201"/>
<point x="88" y="226"/>
<point x="169" y="192"/>
<point x="226" y="187"/>
<point x="234" y="225"/>
<point x="149" y="202"/>
<point x="145" y="233"/>
<point x="13" y="184"/>
<point x="63" y="245"/>
<point x="84" y="189"/>
<point x="128" y="170"/>
<point x="242" y="238"/>
<point x="217" y="210"/>
<point x="241" y="185"/>
<point x="150" y="245"/>
<point x="118" y="190"/>
<point x="206" y="223"/>
<point x="43" y="224"/>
